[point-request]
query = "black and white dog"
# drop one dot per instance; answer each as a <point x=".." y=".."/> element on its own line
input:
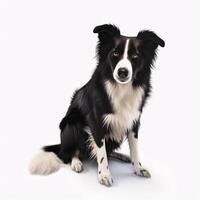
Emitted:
<point x="108" y="108"/>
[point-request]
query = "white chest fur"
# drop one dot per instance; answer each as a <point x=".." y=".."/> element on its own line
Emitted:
<point x="126" y="102"/>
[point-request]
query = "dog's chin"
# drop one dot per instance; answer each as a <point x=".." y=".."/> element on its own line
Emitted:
<point x="122" y="81"/>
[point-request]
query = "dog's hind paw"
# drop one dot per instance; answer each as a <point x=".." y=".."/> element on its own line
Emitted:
<point x="76" y="165"/>
<point x="105" y="179"/>
<point x="142" y="172"/>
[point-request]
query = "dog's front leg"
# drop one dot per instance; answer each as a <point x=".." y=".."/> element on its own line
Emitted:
<point x="104" y="175"/>
<point x="133" y="145"/>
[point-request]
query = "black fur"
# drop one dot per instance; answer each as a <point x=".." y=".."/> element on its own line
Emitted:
<point x="101" y="160"/>
<point x="91" y="102"/>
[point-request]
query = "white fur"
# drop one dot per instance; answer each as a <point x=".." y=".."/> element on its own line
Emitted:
<point x="104" y="175"/>
<point x="133" y="145"/>
<point x="124" y="63"/>
<point x="88" y="130"/>
<point x="76" y="165"/>
<point x="92" y="146"/>
<point x="91" y="143"/>
<point x="126" y="101"/>
<point x="44" y="163"/>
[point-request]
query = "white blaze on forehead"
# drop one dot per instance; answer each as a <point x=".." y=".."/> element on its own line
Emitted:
<point x="126" y="49"/>
<point x="124" y="63"/>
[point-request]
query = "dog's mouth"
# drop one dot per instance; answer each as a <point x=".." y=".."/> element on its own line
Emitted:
<point x="123" y="80"/>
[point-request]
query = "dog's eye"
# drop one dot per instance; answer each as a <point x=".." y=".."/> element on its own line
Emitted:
<point x="116" y="54"/>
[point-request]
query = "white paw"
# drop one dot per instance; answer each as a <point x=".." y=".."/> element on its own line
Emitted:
<point x="105" y="178"/>
<point x="142" y="172"/>
<point x="76" y="165"/>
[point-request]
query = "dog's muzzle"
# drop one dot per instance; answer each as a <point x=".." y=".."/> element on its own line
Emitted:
<point x="123" y="72"/>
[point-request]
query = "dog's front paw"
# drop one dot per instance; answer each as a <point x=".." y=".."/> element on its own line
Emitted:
<point x="76" y="165"/>
<point x="142" y="172"/>
<point x="105" y="178"/>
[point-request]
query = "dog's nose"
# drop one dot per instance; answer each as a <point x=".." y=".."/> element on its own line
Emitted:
<point x="122" y="73"/>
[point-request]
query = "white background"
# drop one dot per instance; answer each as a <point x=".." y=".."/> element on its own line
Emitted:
<point x="47" y="50"/>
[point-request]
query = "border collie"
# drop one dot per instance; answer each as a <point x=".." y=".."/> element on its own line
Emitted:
<point x="108" y="108"/>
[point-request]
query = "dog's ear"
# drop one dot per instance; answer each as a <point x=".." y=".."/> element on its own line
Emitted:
<point x="106" y="31"/>
<point x="150" y="39"/>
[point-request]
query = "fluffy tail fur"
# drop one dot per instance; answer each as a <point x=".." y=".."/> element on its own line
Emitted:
<point x="46" y="162"/>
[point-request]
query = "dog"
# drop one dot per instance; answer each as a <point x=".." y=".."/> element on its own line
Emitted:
<point x="107" y="109"/>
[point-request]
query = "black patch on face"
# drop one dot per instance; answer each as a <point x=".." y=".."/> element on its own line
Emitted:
<point x="135" y="57"/>
<point x="101" y="160"/>
<point x="133" y="50"/>
<point x="133" y="163"/>
<point x="99" y="172"/>
<point x="117" y="52"/>
<point x="140" y="163"/>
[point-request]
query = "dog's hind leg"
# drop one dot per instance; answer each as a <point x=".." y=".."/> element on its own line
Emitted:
<point x="119" y="156"/>
<point x="76" y="164"/>
<point x="73" y="146"/>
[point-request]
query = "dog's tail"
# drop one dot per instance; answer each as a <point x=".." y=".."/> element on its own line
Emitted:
<point x="119" y="156"/>
<point x="46" y="162"/>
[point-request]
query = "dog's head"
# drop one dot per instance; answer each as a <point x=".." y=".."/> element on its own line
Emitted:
<point x="126" y="57"/>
